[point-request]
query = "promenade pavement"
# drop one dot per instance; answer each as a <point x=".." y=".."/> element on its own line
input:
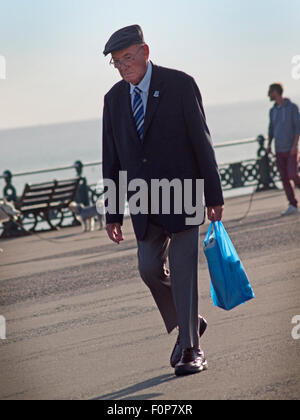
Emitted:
<point x="80" y="324"/>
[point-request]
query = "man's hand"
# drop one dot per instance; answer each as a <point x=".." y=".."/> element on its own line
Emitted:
<point x="294" y="150"/>
<point x="215" y="213"/>
<point x="114" y="232"/>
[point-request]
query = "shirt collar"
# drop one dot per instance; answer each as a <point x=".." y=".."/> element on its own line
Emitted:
<point x="145" y="83"/>
<point x="282" y="105"/>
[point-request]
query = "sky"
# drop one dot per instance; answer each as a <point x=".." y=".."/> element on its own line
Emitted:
<point x="51" y="51"/>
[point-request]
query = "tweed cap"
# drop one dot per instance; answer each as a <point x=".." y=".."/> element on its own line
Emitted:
<point x="124" y="38"/>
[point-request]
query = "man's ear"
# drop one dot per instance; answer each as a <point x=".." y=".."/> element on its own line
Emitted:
<point x="146" y="51"/>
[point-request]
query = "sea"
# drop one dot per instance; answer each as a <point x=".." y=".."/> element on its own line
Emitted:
<point x="51" y="146"/>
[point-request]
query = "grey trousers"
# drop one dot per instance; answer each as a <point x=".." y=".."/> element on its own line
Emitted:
<point x="175" y="290"/>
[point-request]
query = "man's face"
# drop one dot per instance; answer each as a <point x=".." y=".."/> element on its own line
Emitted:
<point x="273" y="95"/>
<point x="132" y="63"/>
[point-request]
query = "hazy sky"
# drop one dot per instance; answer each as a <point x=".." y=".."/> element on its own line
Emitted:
<point x="55" y="70"/>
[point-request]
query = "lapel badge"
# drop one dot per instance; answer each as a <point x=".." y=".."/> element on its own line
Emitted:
<point x="156" y="94"/>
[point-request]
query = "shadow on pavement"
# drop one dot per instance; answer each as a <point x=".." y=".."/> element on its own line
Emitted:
<point x="126" y="393"/>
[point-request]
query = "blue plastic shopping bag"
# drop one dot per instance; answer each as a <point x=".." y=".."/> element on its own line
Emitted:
<point x="230" y="286"/>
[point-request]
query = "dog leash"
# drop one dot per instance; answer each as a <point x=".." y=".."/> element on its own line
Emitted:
<point x="30" y="233"/>
<point x="250" y="202"/>
<point x="249" y="208"/>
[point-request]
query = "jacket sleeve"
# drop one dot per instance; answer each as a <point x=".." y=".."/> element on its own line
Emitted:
<point x="111" y="168"/>
<point x="200" y="138"/>
<point x="296" y="119"/>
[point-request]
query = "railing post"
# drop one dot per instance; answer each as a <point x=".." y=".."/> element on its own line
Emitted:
<point x="9" y="191"/>
<point x="265" y="181"/>
<point x="237" y="177"/>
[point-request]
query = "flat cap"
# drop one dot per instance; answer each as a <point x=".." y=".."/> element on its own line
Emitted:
<point x="124" y="38"/>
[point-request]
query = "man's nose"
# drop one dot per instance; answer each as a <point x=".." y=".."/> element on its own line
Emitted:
<point x="125" y="65"/>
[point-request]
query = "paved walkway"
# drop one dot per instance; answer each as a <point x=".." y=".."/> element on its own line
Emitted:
<point x="82" y="325"/>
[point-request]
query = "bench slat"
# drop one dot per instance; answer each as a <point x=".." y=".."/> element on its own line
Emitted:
<point x="33" y="196"/>
<point x="66" y="182"/>
<point x="28" y="202"/>
<point x="66" y="188"/>
<point x="35" y="188"/>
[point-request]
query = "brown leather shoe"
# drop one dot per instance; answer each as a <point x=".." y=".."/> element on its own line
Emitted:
<point x="192" y="361"/>
<point x="177" y="351"/>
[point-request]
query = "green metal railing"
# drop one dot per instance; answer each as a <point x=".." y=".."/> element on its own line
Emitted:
<point x="234" y="175"/>
<point x="260" y="172"/>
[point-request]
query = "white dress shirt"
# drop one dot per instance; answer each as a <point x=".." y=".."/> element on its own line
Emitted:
<point x="144" y="85"/>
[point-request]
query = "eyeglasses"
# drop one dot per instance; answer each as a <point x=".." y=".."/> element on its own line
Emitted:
<point x="119" y="63"/>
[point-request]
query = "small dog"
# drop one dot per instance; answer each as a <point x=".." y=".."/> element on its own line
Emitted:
<point x="8" y="212"/>
<point x="86" y="216"/>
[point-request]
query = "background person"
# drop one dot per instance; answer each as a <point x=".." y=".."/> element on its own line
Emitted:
<point x="285" y="128"/>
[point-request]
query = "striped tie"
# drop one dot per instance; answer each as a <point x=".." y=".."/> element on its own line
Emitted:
<point x="138" y="112"/>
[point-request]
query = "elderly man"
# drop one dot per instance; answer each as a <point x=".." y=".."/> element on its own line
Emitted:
<point x="154" y="127"/>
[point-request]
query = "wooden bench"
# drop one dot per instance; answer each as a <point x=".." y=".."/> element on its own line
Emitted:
<point x="40" y="202"/>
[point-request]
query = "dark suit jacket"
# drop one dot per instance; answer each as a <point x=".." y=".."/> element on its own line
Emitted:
<point x="176" y="142"/>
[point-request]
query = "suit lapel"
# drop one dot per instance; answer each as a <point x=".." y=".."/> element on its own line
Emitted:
<point x="154" y="96"/>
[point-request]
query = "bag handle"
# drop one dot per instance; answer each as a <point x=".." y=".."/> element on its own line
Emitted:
<point x="216" y="226"/>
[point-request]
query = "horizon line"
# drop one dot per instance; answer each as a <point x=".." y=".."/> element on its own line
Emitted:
<point x="65" y="122"/>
